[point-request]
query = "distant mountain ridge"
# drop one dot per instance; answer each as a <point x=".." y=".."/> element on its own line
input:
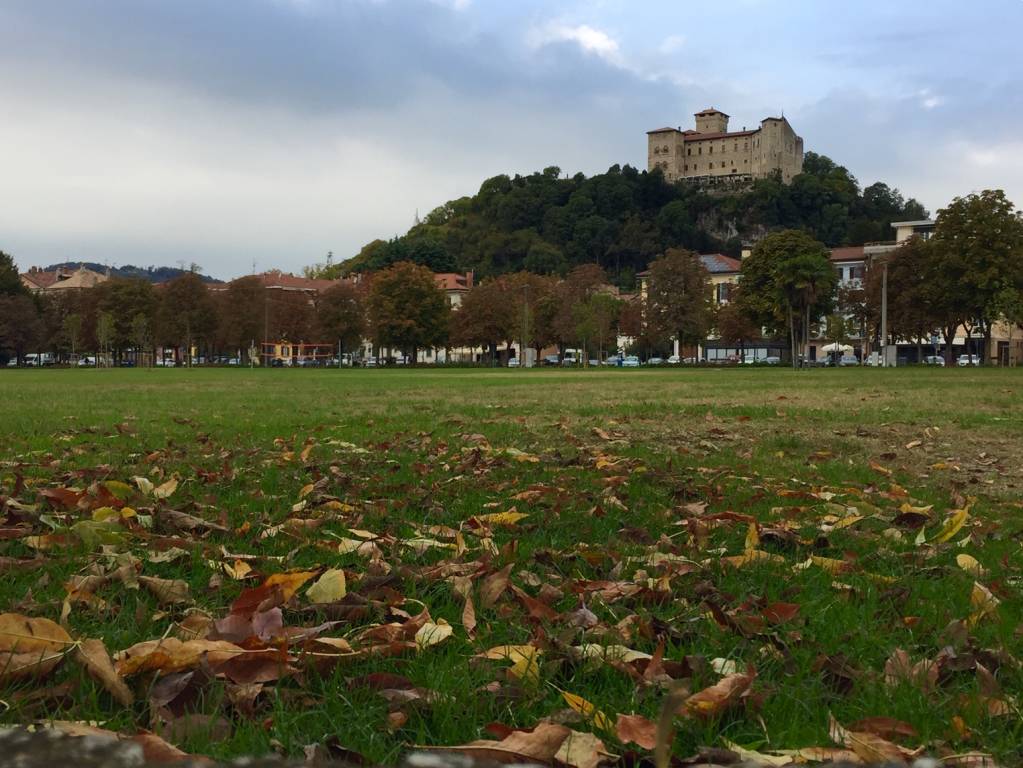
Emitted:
<point x="150" y="274"/>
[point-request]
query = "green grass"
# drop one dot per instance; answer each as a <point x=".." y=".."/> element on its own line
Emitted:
<point x="754" y="442"/>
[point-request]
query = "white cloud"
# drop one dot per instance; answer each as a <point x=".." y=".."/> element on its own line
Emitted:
<point x="672" y="44"/>
<point x="929" y="99"/>
<point x="589" y="39"/>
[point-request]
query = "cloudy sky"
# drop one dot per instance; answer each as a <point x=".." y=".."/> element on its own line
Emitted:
<point x="224" y="132"/>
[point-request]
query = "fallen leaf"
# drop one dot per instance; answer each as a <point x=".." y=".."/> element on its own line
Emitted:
<point x="585" y="708"/>
<point x="328" y="588"/>
<point x="636" y="729"/>
<point x="432" y="633"/>
<point x="30" y="647"/>
<point x="951" y="526"/>
<point x="539" y="745"/>
<point x="92" y="654"/>
<point x="166" y="490"/>
<point x="717" y="698"/>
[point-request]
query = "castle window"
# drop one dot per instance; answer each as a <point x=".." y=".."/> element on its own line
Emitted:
<point x="657" y="150"/>
<point x="712" y="149"/>
<point x="689" y="151"/>
<point x="699" y="150"/>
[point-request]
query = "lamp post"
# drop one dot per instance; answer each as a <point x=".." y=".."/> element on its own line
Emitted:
<point x="884" y="315"/>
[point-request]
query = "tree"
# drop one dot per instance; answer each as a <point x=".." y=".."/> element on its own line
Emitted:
<point x="187" y="315"/>
<point x="20" y="326"/>
<point x="407" y="310"/>
<point x="912" y="302"/>
<point x="575" y="290"/>
<point x="72" y="327"/>
<point x="242" y="312"/>
<point x="10" y="280"/>
<point x="679" y="298"/>
<point x="487" y="316"/>
<point x="978" y="243"/>
<point x="596" y="319"/>
<point x="341" y="314"/>
<point x="836" y="331"/>
<point x="106" y="331"/>
<point x="732" y="324"/>
<point x="124" y="299"/>
<point x="141" y="338"/>
<point x="788" y="283"/>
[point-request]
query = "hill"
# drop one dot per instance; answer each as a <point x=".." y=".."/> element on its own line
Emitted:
<point x="622" y="219"/>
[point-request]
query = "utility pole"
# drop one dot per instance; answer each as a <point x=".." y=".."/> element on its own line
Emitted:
<point x="884" y="316"/>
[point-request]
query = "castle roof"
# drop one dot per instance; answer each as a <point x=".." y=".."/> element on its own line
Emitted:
<point x="665" y="130"/>
<point x="710" y="111"/>
<point x="697" y="136"/>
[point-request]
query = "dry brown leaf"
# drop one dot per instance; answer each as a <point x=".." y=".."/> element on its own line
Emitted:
<point x="539" y="745"/>
<point x="582" y="750"/>
<point x="869" y="747"/>
<point x="717" y="698"/>
<point x="494" y="585"/>
<point x="30" y="647"/>
<point x="636" y="729"/>
<point x="167" y="591"/>
<point x="92" y="654"/>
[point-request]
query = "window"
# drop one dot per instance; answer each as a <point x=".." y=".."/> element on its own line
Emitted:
<point x="699" y="150"/>
<point x="657" y="150"/>
<point x="689" y="151"/>
<point x="711" y="149"/>
<point x="665" y="149"/>
<point x="687" y="168"/>
<point x="722" y="163"/>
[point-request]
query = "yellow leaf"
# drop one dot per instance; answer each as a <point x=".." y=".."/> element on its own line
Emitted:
<point x="165" y="490"/>
<point x="970" y="564"/>
<point x="328" y="588"/>
<point x="752" y="537"/>
<point x="145" y="484"/>
<point x="952" y="526"/>
<point x="600" y="721"/>
<point x="509" y="518"/>
<point x="845" y="522"/>
<point x="119" y="489"/>
<point x="432" y="633"/>
<point x="239" y="570"/>
<point x="752" y="556"/>
<point x="525" y="664"/>
<point x="984" y="604"/>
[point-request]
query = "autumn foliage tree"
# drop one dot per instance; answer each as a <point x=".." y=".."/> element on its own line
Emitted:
<point x="678" y="297"/>
<point x="407" y="310"/>
<point x="341" y="314"/>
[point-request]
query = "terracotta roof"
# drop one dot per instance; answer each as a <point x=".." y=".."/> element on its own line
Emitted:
<point x="452" y="281"/>
<point x="849" y="253"/>
<point x="286" y="281"/>
<point x="40" y="278"/>
<point x="696" y="136"/>
<point x="711" y="111"/>
<point x="665" y="130"/>
<point x="80" y="278"/>
<point x="718" y="263"/>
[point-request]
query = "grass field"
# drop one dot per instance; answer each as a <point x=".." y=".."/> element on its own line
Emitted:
<point x="790" y="544"/>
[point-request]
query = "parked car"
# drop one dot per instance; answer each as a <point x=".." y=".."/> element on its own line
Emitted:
<point x="570" y="360"/>
<point x="614" y="360"/>
<point x="552" y="360"/>
<point x="165" y="362"/>
<point x="127" y="363"/>
<point x="277" y="363"/>
<point x="674" y="360"/>
<point x="87" y="362"/>
<point x="937" y="360"/>
<point x="847" y="360"/>
<point x="513" y="362"/>
<point x="234" y="361"/>
<point x="655" y="361"/>
<point x="12" y="363"/>
<point x="691" y="360"/>
<point x="772" y="360"/>
<point x="370" y="362"/>
<point x="967" y="360"/>
<point x="631" y="361"/>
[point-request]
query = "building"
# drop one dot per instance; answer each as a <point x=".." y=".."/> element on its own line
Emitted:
<point x="61" y="279"/>
<point x="711" y="152"/>
<point x="454" y="285"/>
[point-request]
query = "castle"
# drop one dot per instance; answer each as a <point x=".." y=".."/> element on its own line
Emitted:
<point x="711" y="152"/>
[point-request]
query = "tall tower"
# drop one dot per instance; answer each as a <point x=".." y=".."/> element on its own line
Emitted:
<point x="711" y="121"/>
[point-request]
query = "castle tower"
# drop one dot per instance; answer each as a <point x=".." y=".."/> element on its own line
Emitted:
<point x="711" y="121"/>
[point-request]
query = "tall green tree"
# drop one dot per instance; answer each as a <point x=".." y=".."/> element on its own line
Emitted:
<point x="978" y="253"/>
<point x="21" y="329"/>
<point x="678" y="297"/>
<point x="10" y="279"/>
<point x="407" y="310"/>
<point x="242" y="313"/>
<point x="788" y="284"/>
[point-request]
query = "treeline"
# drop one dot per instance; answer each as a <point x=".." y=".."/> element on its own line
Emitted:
<point x="121" y="314"/>
<point x="128" y="271"/>
<point x="623" y="219"/>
